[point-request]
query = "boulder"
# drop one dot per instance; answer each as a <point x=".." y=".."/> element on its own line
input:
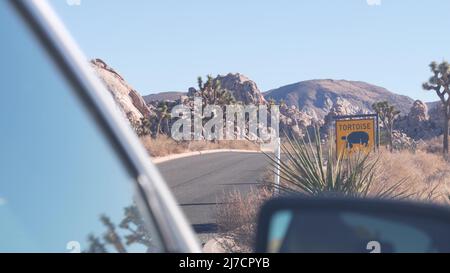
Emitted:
<point x="418" y="113"/>
<point x="130" y="102"/>
<point x="242" y="88"/>
<point x="341" y="107"/>
<point x="418" y="124"/>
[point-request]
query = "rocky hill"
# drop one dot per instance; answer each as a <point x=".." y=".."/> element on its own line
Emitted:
<point x="130" y="102"/>
<point x="164" y="96"/>
<point x="306" y="103"/>
<point x="318" y="96"/>
<point x="242" y="88"/>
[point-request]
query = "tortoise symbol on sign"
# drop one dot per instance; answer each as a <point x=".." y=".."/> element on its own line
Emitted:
<point x="356" y="138"/>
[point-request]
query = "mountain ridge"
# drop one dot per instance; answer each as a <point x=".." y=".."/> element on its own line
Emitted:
<point x="319" y="95"/>
<point x="306" y="102"/>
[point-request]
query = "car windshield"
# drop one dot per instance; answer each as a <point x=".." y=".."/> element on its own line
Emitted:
<point x="238" y="102"/>
<point x="63" y="187"/>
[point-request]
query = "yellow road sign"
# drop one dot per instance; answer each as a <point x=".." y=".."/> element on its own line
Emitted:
<point x="355" y="135"/>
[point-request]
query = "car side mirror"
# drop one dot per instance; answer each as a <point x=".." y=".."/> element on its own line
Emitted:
<point x="317" y="225"/>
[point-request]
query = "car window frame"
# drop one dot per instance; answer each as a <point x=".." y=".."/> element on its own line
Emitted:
<point x="153" y="195"/>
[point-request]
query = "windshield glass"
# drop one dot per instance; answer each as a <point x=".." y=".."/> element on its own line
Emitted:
<point x="240" y="101"/>
<point x="62" y="186"/>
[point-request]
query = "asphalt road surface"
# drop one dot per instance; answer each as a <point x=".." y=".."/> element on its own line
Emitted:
<point x="200" y="182"/>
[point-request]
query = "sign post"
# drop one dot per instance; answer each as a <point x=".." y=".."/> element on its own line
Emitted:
<point x="358" y="133"/>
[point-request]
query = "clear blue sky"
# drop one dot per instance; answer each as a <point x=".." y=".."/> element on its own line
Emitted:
<point x="165" y="45"/>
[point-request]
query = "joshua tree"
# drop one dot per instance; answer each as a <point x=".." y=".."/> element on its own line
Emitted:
<point x="96" y="245"/>
<point x="440" y="83"/>
<point x="131" y="231"/>
<point x="135" y="225"/>
<point x="143" y="127"/>
<point x="272" y="101"/>
<point x="111" y="236"/>
<point x="163" y="115"/>
<point x="388" y="114"/>
<point x="212" y="92"/>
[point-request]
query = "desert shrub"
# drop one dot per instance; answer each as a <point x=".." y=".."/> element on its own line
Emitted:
<point x="402" y="142"/>
<point x="419" y="176"/>
<point x="236" y="218"/>
<point x="426" y="176"/>
<point x="307" y="169"/>
<point x="222" y="144"/>
<point x="164" y="145"/>
<point x="433" y="146"/>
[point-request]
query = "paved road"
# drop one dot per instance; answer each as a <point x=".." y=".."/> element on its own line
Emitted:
<point x="199" y="182"/>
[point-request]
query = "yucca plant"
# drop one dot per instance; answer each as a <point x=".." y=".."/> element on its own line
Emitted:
<point x="305" y="168"/>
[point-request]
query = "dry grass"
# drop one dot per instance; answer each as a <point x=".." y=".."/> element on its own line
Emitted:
<point x="426" y="175"/>
<point x="433" y="146"/>
<point x="236" y="218"/>
<point x="163" y="146"/>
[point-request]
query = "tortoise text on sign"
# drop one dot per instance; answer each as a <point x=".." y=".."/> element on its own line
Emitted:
<point x="355" y="135"/>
